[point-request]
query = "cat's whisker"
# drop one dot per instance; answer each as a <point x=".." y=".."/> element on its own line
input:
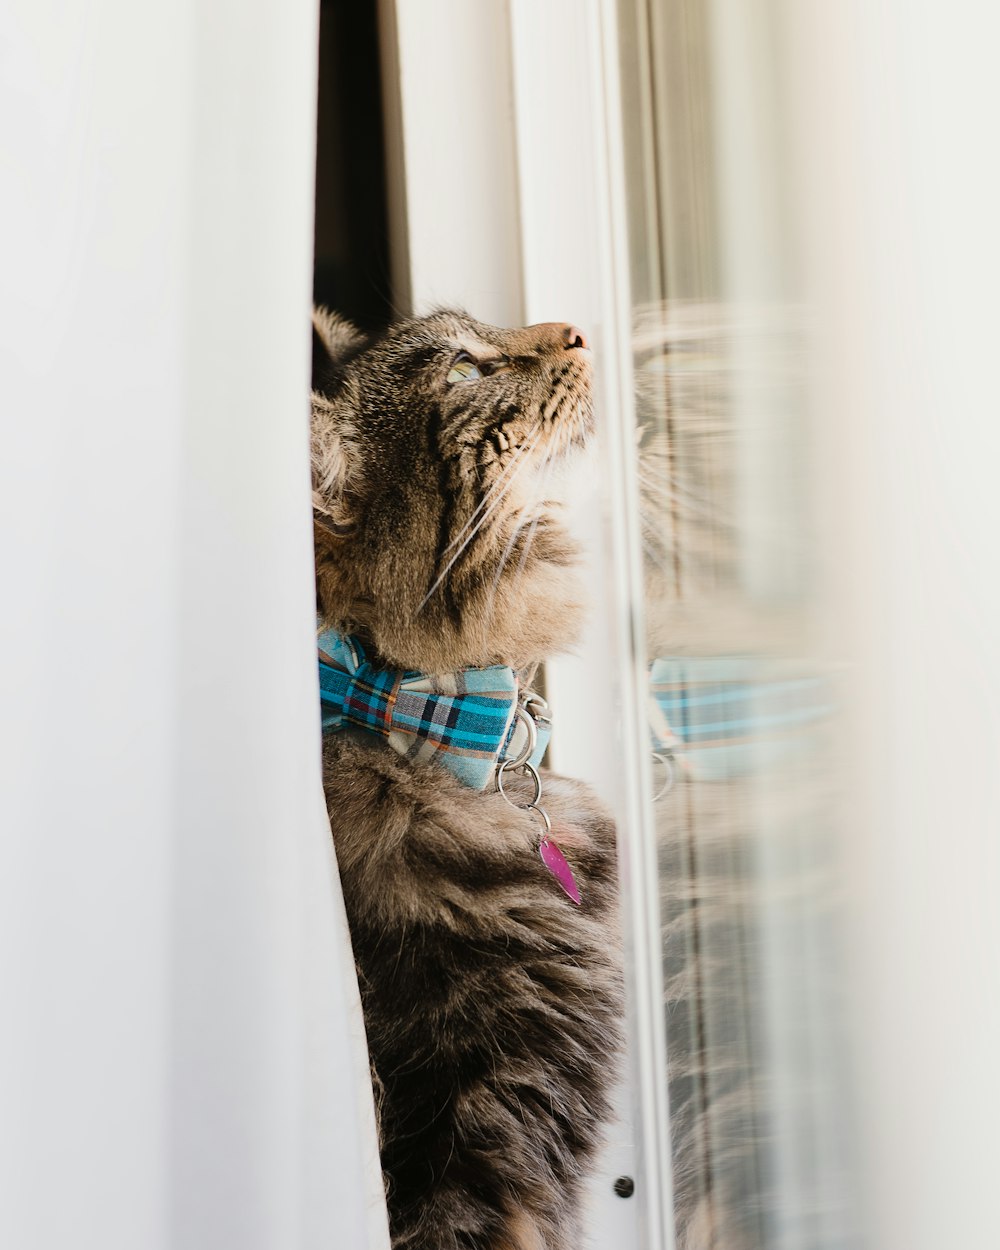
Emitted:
<point x="532" y="503"/>
<point x="527" y="547"/>
<point x="522" y="522"/>
<point x="544" y="476"/>
<point x="505" y="474"/>
<point x="654" y="555"/>
<point x="475" y="530"/>
<point x="508" y="470"/>
<point x="652" y="527"/>
<point x="676" y="495"/>
<point x="515" y="534"/>
<point x="666" y="480"/>
<point x="683" y="500"/>
<point x="659" y="463"/>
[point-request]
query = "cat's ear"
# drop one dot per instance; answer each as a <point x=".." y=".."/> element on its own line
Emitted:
<point x="334" y="342"/>
<point x="336" y="458"/>
<point x="337" y="469"/>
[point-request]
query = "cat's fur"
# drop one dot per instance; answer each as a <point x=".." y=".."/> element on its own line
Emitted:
<point x="492" y="1003"/>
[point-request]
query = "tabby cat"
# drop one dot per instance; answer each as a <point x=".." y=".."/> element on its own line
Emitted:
<point x="492" y="1002"/>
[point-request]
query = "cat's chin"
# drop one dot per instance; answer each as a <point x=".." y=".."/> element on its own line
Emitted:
<point x="569" y="482"/>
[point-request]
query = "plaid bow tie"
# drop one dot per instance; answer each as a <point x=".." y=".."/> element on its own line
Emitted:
<point x="465" y="720"/>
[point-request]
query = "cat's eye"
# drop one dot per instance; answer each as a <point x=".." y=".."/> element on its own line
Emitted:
<point x="464" y="369"/>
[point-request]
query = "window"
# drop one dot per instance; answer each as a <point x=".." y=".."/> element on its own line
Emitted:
<point x="643" y="193"/>
<point x="745" y="832"/>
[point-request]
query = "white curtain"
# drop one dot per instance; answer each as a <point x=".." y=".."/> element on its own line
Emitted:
<point x="182" y="1057"/>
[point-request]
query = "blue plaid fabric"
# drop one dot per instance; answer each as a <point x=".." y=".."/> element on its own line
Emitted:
<point x="463" y="720"/>
<point x="726" y="716"/>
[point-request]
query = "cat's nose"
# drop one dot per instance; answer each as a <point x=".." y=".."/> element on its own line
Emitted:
<point x="555" y="335"/>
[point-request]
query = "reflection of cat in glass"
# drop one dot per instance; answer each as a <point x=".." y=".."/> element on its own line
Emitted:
<point x="444" y="575"/>
<point x="735" y="719"/>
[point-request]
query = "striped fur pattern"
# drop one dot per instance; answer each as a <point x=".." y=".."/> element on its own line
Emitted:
<point x="492" y="1004"/>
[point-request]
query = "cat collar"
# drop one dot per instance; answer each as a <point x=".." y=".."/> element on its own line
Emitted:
<point x="470" y="720"/>
<point x="477" y="722"/>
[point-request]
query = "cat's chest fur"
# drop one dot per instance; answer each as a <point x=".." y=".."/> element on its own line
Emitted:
<point x="492" y="1003"/>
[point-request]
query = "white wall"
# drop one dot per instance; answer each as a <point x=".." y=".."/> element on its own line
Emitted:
<point x="896" y="135"/>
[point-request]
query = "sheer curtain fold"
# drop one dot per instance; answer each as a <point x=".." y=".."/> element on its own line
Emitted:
<point x="182" y="1056"/>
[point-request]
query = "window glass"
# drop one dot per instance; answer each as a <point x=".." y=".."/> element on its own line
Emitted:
<point x="742" y="692"/>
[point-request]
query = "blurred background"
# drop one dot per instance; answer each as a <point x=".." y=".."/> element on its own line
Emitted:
<point x="777" y="221"/>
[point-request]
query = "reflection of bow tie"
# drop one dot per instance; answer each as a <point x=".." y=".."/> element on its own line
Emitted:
<point x="465" y="720"/>
<point x="727" y="716"/>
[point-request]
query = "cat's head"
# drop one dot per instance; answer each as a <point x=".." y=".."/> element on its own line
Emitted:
<point x="436" y="450"/>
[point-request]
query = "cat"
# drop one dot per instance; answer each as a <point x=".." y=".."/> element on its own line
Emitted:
<point x="492" y="1002"/>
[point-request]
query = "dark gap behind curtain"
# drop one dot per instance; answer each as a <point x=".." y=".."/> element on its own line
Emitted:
<point x="351" y="273"/>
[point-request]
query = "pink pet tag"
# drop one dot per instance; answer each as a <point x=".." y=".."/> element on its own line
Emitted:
<point x="555" y="861"/>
